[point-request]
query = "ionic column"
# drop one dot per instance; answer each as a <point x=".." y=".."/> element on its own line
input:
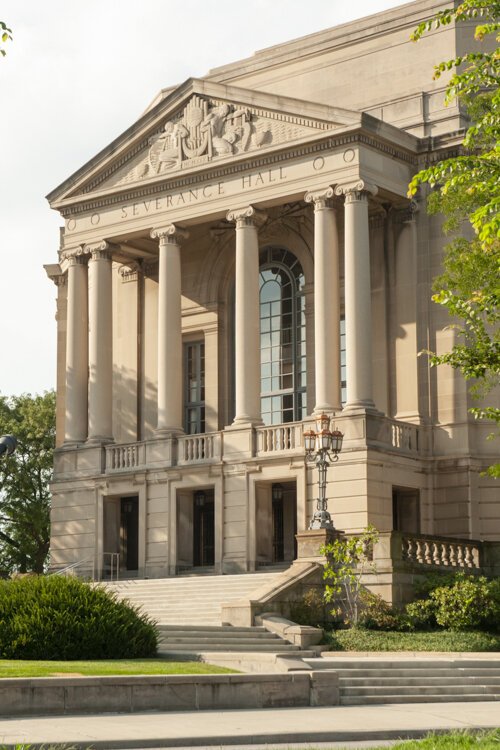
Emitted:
<point x="247" y="323"/>
<point x="357" y="295"/>
<point x="326" y="302"/>
<point x="169" y="330"/>
<point x="100" y="343"/>
<point x="75" y="425"/>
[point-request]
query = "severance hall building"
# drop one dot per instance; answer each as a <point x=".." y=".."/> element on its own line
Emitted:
<point x="240" y="260"/>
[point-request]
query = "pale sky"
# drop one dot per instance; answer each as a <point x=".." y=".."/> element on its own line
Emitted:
<point x="77" y="74"/>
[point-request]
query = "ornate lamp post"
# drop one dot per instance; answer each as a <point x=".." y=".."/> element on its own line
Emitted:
<point x="322" y="448"/>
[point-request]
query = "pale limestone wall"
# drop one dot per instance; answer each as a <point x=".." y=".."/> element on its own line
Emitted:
<point x="73" y="524"/>
<point x="393" y="75"/>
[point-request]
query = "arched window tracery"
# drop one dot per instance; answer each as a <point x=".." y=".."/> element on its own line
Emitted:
<point x="282" y="337"/>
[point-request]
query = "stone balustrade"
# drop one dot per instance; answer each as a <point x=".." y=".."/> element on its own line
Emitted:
<point x="280" y="438"/>
<point x="361" y="431"/>
<point x="430" y="551"/>
<point x="125" y="457"/>
<point x="198" y="449"/>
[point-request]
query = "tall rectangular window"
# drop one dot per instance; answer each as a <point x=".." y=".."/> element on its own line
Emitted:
<point x="194" y="387"/>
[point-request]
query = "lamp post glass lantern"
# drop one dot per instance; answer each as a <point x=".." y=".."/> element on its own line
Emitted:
<point x="322" y="448"/>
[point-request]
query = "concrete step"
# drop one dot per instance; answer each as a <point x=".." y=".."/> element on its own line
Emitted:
<point x="275" y="648"/>
<point x="419" y="690"/>
<point x="191" y="635"/>
<point x="425" y="681"/>
<point x="364" y="700"/>
<point x="228" y="643"/>
<point x="417" y="673"/>
<point x="189" y="600"/>
<point x="216" y="628"/>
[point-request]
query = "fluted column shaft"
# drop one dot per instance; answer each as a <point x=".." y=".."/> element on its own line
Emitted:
<point x="169" y="330"/>
<point x="247" y="322"/>
<point x="75" y="427"/>
<point x="100" y="343"/>
<point x="358" y="316"/>
<point x="326" y="303"/>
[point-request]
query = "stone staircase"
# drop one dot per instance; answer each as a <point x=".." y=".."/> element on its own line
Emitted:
<point x="188" y="612"/>
<point x="418" y="680"/>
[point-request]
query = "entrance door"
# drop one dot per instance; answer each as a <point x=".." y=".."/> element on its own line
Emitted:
<point x="129" y="533"/>
<point x="203" y="529"/>
<point x="276" y="522"/>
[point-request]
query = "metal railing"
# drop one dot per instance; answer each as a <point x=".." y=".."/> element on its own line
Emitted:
<point x="75" y="569"/>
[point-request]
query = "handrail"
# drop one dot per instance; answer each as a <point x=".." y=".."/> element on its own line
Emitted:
<point x="73" y="566"/>
<point x="114" y="565"/>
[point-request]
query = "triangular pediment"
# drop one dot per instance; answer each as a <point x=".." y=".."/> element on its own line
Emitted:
<point x="200" y="123"/>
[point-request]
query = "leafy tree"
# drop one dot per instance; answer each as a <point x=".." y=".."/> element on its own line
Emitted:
<point x="348" y="559"/>
<point x="24" y="478"/>
<point x="5" y="36"/>
<point x="467" y="191"/>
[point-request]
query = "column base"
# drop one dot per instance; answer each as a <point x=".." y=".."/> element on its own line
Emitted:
<point x="245" y="422"/>
<point x="361" y="407"/>
<point x="310" y="541"/>
<point x="98" y="440"/>
<point x="169" y="432"/>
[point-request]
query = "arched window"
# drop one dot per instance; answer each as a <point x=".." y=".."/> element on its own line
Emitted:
<point x="282" y="337"/>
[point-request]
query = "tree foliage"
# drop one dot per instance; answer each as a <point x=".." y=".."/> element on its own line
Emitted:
<point x="24" y="480"/>
<point x="466" y="189"/>
<point x="5" y="36"/>
<point x="348" y="559"/>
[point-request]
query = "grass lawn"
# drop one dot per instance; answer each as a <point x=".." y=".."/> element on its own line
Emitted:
<point x="21" y="668"/>
<point x="359" y="639"/>
<point x="454" y="741"/>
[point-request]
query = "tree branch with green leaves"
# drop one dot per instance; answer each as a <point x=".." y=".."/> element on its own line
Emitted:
<point x="466" y="190"/>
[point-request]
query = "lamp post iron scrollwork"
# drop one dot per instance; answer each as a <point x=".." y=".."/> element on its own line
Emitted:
<point x="322" y="448"/>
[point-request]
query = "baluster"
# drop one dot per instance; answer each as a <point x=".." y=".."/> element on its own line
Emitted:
<point x="419" y="552"/>
<point x="453" y="555"/>
<point x="428" y="552"/>
<point x="436" y="549"/>
<point x="460" y="555"/>
<point x="469" y="557"/>
<point x="412" y="550"/>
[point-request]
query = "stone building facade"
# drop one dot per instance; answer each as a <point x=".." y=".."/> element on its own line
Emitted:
<point x="243" y="258"/>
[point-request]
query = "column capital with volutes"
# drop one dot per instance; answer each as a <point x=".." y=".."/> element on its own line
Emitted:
<point x="171" y="234"/>
<point x="356" y="190"/>
<point x="101" y="250"/>
<point x="247" y="216"/>
<point x="322" y="198"/>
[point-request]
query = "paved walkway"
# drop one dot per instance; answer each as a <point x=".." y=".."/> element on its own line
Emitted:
<point x="252" y="727"/>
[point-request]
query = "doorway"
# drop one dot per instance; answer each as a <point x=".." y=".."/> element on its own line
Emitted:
<point x="195" y="529"/>
<point x="121" y="535"/>
<point x="276" y="523"/>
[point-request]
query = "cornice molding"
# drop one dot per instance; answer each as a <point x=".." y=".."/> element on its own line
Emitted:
<point x="140" y="191"/>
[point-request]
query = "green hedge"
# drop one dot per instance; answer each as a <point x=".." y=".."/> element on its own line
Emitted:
<point x="57" y="618"/>
<point x="361" y="639"/>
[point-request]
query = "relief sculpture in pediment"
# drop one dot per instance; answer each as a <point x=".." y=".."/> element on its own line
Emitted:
<point x="202" y="132"/>
<point x="205" y="130"/>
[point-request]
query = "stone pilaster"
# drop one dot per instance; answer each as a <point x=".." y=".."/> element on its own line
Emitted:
<point x="75" y="424"/>
<point x="100" y="343"/>
<point x="247" y="323"/>
<point x="170" y="399"/>
<point x="326" y="302"/>
<point x="357" y="295"/>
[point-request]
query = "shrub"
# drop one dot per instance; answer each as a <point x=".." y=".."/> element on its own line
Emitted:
<point x="58" y="618"/>
<point x="421" y="615"/>
<point x="309" y="609"/>
<point x="470" y="603"/>
<point x="376" y="613"/>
